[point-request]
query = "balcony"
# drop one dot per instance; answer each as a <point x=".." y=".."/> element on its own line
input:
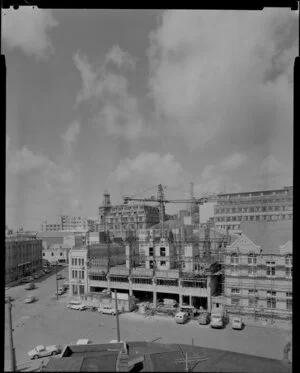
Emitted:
<point x="121" y="271"/>
<point x="143" y="272"/>
<point x="171" y="273"/>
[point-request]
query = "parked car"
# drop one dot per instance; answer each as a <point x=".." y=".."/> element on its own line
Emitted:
<point x="60" y="292"/>
<point x="46" y="270"/>
<point x="237" y="323"/>
<point x="59" y="276"/>
<point x="181" y="317"/>
<point x="74" y="305"/>
<point x="42" y="351"/>
<point x="191" y="311"/>
<point x="204" y="318"/>
<point x="217" y="321"/>
<point x="29" y="299"/>
<point x="109" y="310"/>
<point x="27" y="279"/>
<point x="36" y="276"/>
<point x="30" y="286"/>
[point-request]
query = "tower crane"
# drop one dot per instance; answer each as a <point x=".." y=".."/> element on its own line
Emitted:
<point x="162" y="200"/>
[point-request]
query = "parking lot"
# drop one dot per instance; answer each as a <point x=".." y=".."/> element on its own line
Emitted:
<point x="49" y="321"/>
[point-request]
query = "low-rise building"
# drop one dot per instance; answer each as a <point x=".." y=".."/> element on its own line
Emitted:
<point x="258" y="271"/>
<point x="56" y="253"/>
<point x="23" y="256"/>
<point x="73" y="223"/>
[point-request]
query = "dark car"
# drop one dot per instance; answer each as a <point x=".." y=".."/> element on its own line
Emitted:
<point x="204" y="318"/>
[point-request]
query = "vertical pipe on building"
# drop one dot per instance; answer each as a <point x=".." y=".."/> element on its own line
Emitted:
<point x="117" y="316"/>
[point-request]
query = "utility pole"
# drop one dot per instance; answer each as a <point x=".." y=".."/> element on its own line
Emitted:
<point x="13" y="364"/>
<point x="117" y="316"/>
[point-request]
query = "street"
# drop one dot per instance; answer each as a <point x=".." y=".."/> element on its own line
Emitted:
<point x="48" y="321"/>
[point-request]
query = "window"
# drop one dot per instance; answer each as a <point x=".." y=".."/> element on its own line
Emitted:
<point x="289" y="304"/>
<point x="60" y="254"/>
<point x="252" y="302"/>
<point x="74" y="289"/>
<point x="151" y="263"/>
<point x="163" y="263"/>
<point x="289" y="272"/>
<point x="252" y="271"/>
<point x="52" y="254"/>
<point x="75" y="261"/>
<point x="289" y="260"/>
<point x="252" y="259"/>
<point x="271" y="303"/>
<point x="234" y="258"/>
<point x="289" y="295"/>
<point x="271" y="269"/>
<point x="235" y="301"/>
<point x="234" y="270"/>
<point x="162" y="251"/>
<point x="235" y="291"/>
<point x="81" y="289"/>
<point x="150" y="251"/>
<point x="43" y="254"/>
<point x="252" y="292"/>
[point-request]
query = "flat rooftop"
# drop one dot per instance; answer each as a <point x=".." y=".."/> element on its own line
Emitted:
<point x="162" y="358"/>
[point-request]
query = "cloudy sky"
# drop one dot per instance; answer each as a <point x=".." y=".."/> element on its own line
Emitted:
<point x="125" y="100"/>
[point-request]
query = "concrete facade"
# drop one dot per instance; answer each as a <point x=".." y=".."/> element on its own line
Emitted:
<point x="23" y="256"/>
<point x="269" y="205"/>
<point x="78" y="271"/>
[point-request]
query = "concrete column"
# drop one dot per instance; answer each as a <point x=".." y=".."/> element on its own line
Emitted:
<point x="190" y="300"/>
<point x="108" y="281"/>
<point x="154" y="293"/>
<point x="130" y="287"/>
<point x="180" y="300"/>
<point x="208" y="294"/>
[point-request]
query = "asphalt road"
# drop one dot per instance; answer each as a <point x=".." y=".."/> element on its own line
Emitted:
<point x="48" y="321"/>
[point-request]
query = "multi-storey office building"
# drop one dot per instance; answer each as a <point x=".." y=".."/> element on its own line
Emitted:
<point x="268" y="205"/>
<point x="56" y="253"/>
<point x="258" y="271"/>
<point x="23" y="256"/>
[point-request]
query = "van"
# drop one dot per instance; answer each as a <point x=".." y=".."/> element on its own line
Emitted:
<point x="181" y="317"/>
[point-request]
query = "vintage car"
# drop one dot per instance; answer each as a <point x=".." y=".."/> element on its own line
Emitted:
<point x="204" y="318"/>
<point x="109" y="310"/>
<point x="29" y="299"/>
<point x="74" y="305"/>
<point x="237" y="323"/>
<point x="42" y="351"/>
<point x="217" y="321"/>
<point x="181" y="317"/>
<point x="30" y="286"/>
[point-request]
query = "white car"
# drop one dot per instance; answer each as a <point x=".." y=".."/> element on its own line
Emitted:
<point x="237" y="323"/>
<point x="29" y="299"/>
<point x="77" y="306"/>
<point x="42" y="351"/>
<point x="83" y="342"/>
<point x="217" y="321"/>
<point x="107" y="310"/>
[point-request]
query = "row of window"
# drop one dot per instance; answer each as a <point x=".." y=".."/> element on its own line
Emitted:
<point x="252" y="259"/>
<point x="252" y="209"/>
<point x="270" y="293"/>
<point x="270" y="272"/>
<point x="98" y="278"/>
<point x="271" y="303"/>
<point x="162" y="263"/>
<point x="252" y="218"/>
<point x="162" y="251"/>
<point x="52" y="254"/>
<point x="80" y="261"/>
<point x="77" y="274"/>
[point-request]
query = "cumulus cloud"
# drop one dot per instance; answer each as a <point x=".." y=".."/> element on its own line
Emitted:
<point x="28" y="29"/>
<point x="119" y="112"/>
<point x="148" y="169"/>
<point x="271" y="167"/>
<point x="69" y="138"/>
<point x="24" y="160"/>
<point x="120" y="58"/>
<point x="221" y="183"/>
<point x="224" y="75"/>
<point x="233" y="161"/>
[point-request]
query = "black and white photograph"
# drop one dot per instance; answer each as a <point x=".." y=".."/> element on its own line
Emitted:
<point x="148" y="189"/>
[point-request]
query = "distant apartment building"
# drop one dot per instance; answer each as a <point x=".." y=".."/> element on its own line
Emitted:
<point x="73" y="223"/>
<point x="93" y="225"/>
<point x="62" y="238"/>
<point x="121" y="218"/>
<point x="269" y="205"/>
<point x="23" y="256"/>
<point x="259" y="269"/>
<point x="50" y="227"/>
